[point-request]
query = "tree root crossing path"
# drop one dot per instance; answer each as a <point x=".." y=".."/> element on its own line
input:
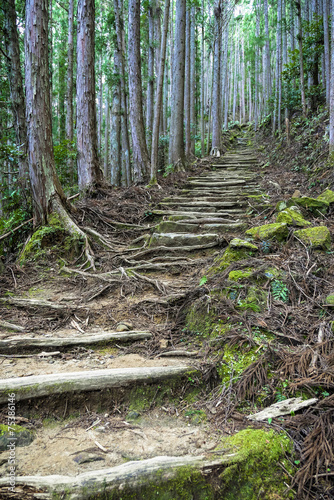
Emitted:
<point x="100" y="375"/>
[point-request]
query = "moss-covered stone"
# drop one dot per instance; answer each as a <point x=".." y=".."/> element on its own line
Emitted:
<point x="330" y="300"/>
<point x="327" y="196"/>
<point x="229" y="256"/>
<point x="312" y="204"/>
<point x="240" y="274"/>
<point x="281" y="205"/>
<point x="292" y="217"/>
<point x="175" y="227"/>
<point x="315" y="237"/>
<point x="16" y="435"/>
<point x="255" y="472"/>
<point x="278" y="231"/>
<point x="239" y="243"/>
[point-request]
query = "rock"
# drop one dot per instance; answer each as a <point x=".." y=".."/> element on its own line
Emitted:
<point x="239" y="243"/>
<point x="85" y="458"/>
<point x="175" y="227"/>
<point x="240" y="274"/>
<point x="133" y="415"/>
<point x="278" y="231"/>
<point x="230" y="255"/>
<point x="281" y="205"/>
<point x="292" y="217"/>
<point x="327" y="196"/>
<point x="312" y="204"/>
<point x="182" y="239"/>
<point x="18" y="435"/>
<point x="124" y="326"/>
<point x="164" y="343"/>
<point x="315" y="237"/>
<point x="296" y="194"/>
<point x="330" y="300"/>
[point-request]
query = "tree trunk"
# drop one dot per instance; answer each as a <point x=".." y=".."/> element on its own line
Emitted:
<point x="267" y="89"/>
<point x="202" y="84"/>
<point x="192" y="80"/>
<point x="89" y="171"/>
<point x="187" y="87"/>
<point x="115" y="126"/>
<point x="301" y="62"/>
<point x="69" y="89"/>
<point x="120" y="49"/>
<point x="150" y="83"/>
<point x="106" y="168"/>
<point x="331" y="107"/>
<point x="176" y="141"/>
<point x="216" y="111"/>
<point x="158" y="99"/>
<point x="327" y="51"/>
<point x="139" y="148"/>
<point x="257" y="64"/>
<point x="12" y="48"/>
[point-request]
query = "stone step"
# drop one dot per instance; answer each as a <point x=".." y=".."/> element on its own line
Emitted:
<point x="188" y="214"/>
<point x="182" y="239"/>
<point x="216" y="204"/>
<point x="208" y="198"/>
<point x="217" y="184"/>
<point x="214" y="227"/>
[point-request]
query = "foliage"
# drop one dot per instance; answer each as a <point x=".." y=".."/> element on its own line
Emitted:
<point x="280" y="291"/>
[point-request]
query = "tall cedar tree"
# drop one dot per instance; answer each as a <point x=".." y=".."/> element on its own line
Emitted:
<point x="89" y="172"/>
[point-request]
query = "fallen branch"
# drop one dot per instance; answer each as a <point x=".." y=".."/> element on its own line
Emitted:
<point x="33" y="303"/>
<point x="11" y="326"/>
<point x="285" y="407"/>
<point x="185" y="354"/>
<point x="37" y="386"/>
<point x="113" y="481"/>
<point x="51" y="342"/>
<point x="4" y="236"/>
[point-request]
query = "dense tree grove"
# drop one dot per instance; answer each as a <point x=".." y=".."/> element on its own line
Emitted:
<point x="128" y="80"/>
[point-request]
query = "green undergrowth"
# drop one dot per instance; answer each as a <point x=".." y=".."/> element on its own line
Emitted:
<point x="50" y="240"/>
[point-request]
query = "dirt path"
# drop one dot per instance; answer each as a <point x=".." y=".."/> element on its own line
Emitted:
<point x="114" y="382"/>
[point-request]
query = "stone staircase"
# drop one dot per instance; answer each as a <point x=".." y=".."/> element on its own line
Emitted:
<point x="189" y="224"/>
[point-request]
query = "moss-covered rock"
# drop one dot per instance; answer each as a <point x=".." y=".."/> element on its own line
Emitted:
<point x="255" y="472"/>
<point x="327" y="196"/>
<point x="292" y="217"/>
<point x="330" y="300"/>
<point x="16" y="435"/>
<point x="240" y="274"/>
<point x="312" y="204"/>
<point x="315" y="237"/>
<point x="229" y="256"/>
<point x="278" y="231"/>
<point x="281" y="205"/>
<point x="239" y="243"/>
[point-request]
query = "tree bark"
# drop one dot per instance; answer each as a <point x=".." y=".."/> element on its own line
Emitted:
<point x="216" y="111"/>
<point x="158" y="99"/>
<point x="301" y="62"/>
<point x="69" y="90"/>
<point x="192" y="80"/>
<point x="327" y="50"/>
<point x="45" y="185"/>
<point x="187" y="87"/>
<point x="12" y="48"/>
<point x="150" y="83"/>
<point x="202" y="84"/>
<point x="331" y="119"/>
<point x="139" y="149"/>
<point x="115" y="126"/>
<point x="176" y="141"/>
<point x="267" y="89"/>
<point x="89" y="172"/>
<point x="106" y="167"/>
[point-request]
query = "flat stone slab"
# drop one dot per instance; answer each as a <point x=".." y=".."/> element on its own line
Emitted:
<point x="182" y="239"/>
<point x="190" y="203"/>
<point x="315" y="237"/>
<point x="195" y="213"/>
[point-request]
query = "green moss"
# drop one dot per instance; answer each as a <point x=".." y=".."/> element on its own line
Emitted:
<point x="281" y="205"/>
<point x="290" y="216"/>
<point x="313" y="204"/>
<point x="230" y="255"/>
<point x="327" y="196"/>
<point x="278" y="231"/>
<point x="240" y="274"/>
<point x="330" y="300"/>
<point x="315" y="237"/>
<point x="255" y="470"/>
<point x="51" y="238"/>
<point x="239" y="243"/>
<point x="235" y="362"/>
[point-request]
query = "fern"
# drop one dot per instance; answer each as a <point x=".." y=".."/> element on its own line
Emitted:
<point x="280" y="291"/>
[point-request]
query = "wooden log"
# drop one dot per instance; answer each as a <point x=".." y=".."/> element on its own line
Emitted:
<point x="11" y="326"/>
<point x="78" y="340"/>
<point x="285" y="407"/>
<point x="113" y="481"/>
<point x="90" y="380"/>
<point x="36" y="303"/>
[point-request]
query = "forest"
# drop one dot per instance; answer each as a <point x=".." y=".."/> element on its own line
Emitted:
<point x="166" y="243"/>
